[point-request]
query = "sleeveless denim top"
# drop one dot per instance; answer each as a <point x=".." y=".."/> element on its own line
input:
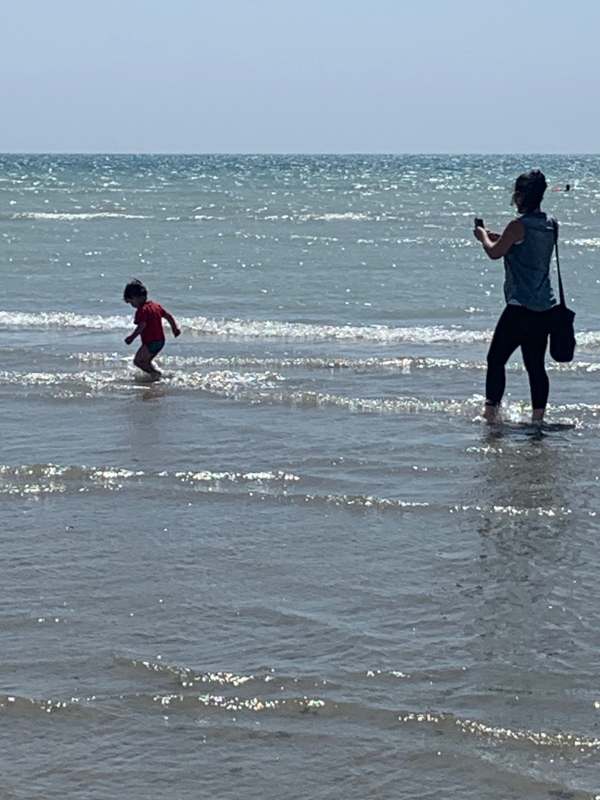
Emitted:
<point x="527" y="265"/>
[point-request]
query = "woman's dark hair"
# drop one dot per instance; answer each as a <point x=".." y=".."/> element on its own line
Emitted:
<point x="134" y="289"/>
<point x="530" y="188"/>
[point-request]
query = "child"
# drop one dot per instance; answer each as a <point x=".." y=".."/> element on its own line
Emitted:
<point x="148" y="320"/>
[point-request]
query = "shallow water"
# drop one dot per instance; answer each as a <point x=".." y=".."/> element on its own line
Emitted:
<point x="299" y="565"/>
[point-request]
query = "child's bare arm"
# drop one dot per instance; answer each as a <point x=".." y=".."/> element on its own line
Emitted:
<point x="129" y="339"/>
<point x="171" y="320"/>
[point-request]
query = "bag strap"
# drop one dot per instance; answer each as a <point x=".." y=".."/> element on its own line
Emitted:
<point x="561" y="291"/>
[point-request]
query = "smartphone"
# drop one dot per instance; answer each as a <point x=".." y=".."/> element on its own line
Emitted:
<point x="479" y="222"/>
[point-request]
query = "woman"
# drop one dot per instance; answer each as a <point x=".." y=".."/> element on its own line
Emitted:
<point x="526" y="246"/>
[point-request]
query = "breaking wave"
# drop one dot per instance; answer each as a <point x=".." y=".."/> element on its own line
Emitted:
<point x="403" y="364"/>
<point x="273" y="329"/>
<point x="255" y="329"/>
<point x="72" y="216"/>
<point x="271" y="388"/>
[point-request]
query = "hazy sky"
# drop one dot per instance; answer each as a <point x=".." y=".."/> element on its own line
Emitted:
<point x="313" y="76"/>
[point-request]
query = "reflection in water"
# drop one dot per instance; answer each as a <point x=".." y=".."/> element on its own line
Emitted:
<point x="526" y="558"/>
<point x="144" y="414"/>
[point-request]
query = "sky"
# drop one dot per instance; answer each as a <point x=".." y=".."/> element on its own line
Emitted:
<point x="284" y="76"/>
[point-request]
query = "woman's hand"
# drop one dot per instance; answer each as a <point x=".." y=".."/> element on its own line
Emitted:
<point x="478" y="233"/>
<point x="497" y="246"/>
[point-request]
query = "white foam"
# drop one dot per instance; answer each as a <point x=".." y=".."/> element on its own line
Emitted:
<point x="270" y="329"/>
<point x="396" y="405"/>
<point x="363" y="502"/>
<point x="63" y="319"/>
<point x="224" y="383"/>
<point x="34" y="480"/>
<point x="259" y="477"/>
<point x="37" y="479"/>
<point x="67" y="216"/>
<point x="513" y="511"/>
<point x="274" y="329"/>
<point x="404" y="364"/>
<point x="591" y="242"/>
<point x="227" y="383"/>
<point x="337" y="215"/>
<point x="267" y="387"/>
<point x="256" y="329"/>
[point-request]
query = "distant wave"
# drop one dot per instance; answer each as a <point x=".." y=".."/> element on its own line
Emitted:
<point x="270" y="329"/>
<point x="254" y="329"/>
<point x="274" y="329"/>
<point x="62" y="319"/>
<point x="333" y="216"/>
<point x="68" y="216"/>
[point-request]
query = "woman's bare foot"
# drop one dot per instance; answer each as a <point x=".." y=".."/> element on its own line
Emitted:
<point x="537" y="418"/>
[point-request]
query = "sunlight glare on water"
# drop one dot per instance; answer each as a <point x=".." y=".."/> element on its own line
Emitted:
<point x="299" y="565"/>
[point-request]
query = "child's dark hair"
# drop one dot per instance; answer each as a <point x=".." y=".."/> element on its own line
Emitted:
<point x="530" y="187"/>
<point x="135" y="289"/>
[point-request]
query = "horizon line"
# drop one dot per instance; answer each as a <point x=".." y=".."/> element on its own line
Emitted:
<point x="286" y="153"/>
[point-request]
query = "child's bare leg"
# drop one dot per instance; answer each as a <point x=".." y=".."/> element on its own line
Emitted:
<point x="143" y="360"/>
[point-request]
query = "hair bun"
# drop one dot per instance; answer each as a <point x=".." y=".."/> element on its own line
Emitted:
<point x="537" y="176"/>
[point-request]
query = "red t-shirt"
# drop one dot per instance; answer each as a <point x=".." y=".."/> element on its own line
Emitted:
<point x="152" y="314"/>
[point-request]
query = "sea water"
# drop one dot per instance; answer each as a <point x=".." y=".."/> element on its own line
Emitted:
<point x="300" y="565"/>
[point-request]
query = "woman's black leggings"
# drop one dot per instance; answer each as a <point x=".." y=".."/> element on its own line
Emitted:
<point x="519" y="327"/>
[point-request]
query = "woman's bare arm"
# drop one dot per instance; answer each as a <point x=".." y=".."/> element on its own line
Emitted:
<point x="499" y="247"/>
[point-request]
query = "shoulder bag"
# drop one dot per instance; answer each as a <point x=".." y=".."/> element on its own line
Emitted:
<point x="562" y="331"/>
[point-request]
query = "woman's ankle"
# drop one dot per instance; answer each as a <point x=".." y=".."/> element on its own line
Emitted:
<point x="537" y="415"/>
<point x="491" y="411"/>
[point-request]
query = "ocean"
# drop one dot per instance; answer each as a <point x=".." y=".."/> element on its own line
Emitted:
<point x="299" y="566"/>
